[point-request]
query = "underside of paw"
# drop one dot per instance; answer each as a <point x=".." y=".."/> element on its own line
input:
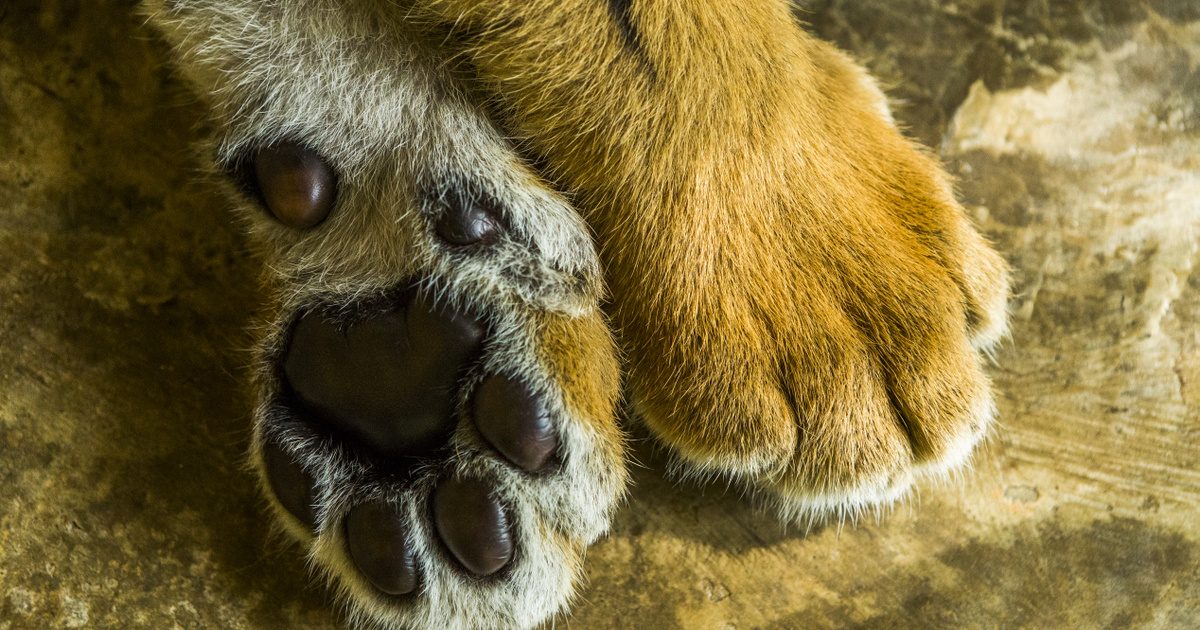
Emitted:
<point x="430" y="459"/>
<point x="445" y="452"/>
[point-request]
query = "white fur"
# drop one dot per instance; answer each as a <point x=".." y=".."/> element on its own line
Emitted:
<point x="339" y="76"/>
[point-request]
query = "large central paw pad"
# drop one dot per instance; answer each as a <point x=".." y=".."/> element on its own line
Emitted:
<point x="388" y="382"/>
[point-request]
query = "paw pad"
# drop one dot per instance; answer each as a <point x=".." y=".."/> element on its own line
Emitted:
<point x="468" y="221"/>
<point x="293" y="487"/>
<point x="377" y="541"/>
<point x="515" y="422"/>
<point x="298" y="187"/>
<point x="473" y="525"/>
<point x="382" y="381"/>
<point x="385" y="382"/>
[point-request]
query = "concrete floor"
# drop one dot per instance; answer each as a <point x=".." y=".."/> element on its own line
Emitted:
<point x="1074" y="126"/>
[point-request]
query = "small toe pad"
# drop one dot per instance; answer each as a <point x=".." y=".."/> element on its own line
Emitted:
<point x="298" y="187"/>
<point x="473" y="525"/>
<point x="378" y="544"/>
<point x="467" y="221"/>
<point x="293" y="488"/>
<point x="515" y="421"/>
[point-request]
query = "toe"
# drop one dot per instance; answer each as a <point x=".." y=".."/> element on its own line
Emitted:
<point x="945" y="402"/>
<point x="378" y="545"/>
<point x="850" y="450"/>
<point x="515" y="421"/>
<point x="292" y="486"/>
<point x="473" y="525"/>
<point x="297" y="186"/>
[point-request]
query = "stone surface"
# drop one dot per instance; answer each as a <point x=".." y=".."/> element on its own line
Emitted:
<point x="1074" y="128"/>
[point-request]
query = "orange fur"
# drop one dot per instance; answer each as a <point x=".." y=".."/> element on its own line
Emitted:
<point x="578" y="353"/>
<point x="799" y="295"/>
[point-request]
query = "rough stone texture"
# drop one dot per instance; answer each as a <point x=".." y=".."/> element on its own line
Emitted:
<point x="1074" y="127"/>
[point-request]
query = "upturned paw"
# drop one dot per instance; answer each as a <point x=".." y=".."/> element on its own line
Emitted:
<point x="436" y="385"/>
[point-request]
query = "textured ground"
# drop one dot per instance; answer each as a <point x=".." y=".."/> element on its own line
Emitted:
<point x="1074" y="126"/>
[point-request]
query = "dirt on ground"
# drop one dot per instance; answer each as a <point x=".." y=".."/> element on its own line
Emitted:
<point x="1073" y="127"/>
